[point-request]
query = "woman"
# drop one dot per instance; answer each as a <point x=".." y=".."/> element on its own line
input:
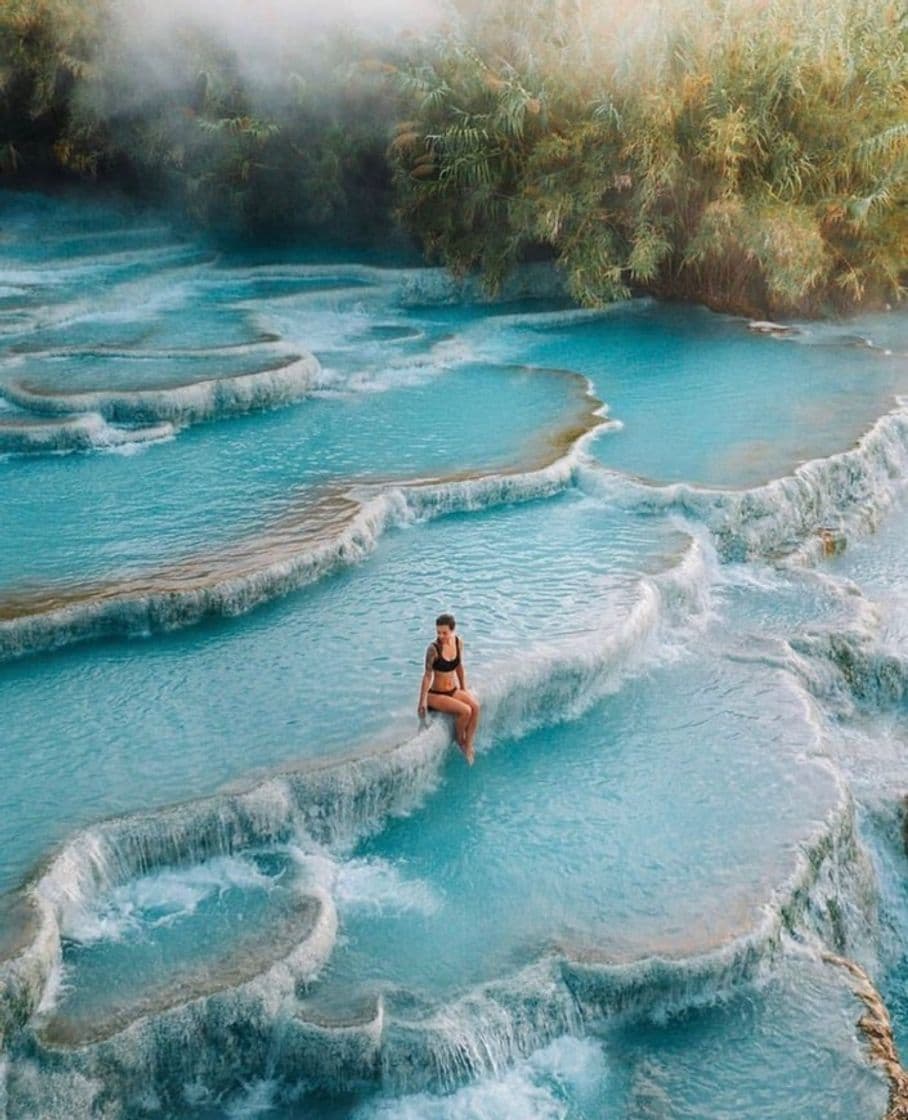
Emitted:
<point x="444" y="685"/>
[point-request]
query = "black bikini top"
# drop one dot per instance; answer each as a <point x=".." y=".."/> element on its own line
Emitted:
<point x="441" y="664"/>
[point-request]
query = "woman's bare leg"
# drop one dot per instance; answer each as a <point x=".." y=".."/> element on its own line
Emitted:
<point x="467" y="697"/>
<point x="462" y="713"/>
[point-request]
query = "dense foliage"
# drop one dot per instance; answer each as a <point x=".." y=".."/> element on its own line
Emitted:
<point x="748" y="153"/>
<point x="46" y="48"/>
<point x="752" y="154"/>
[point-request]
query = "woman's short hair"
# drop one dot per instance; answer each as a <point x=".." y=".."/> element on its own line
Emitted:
<point x="446" y="620"/>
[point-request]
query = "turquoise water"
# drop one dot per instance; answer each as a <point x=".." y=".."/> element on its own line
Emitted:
<point x="211" y="920"/>
<point x="211" y="489"/>
<point x="701" y="1064"/>
<point x="703" y="400"/>
<point x="237" y="488"/>
<point x="609" y="871"/>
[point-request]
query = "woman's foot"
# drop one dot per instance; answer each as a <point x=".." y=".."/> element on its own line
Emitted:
<point x="461" y="737"/>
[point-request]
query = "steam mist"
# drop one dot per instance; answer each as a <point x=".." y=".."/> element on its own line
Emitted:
<point x="267" y="36"/>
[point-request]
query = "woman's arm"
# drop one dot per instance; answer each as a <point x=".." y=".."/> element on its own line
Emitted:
<point x="423" y="692"/>
<point x="461" y="671"/>
<point x="427" y="677"/>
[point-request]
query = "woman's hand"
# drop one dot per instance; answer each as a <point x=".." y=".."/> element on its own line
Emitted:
<point x="421" y="711"/>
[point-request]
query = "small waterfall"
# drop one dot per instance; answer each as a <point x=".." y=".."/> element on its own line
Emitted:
<point x="183" y="404"/>
<point x="799" y="517"/>
<point x="79" y="433"/>
<point x="848" y="669"/>
<point x="483" y="1033"/>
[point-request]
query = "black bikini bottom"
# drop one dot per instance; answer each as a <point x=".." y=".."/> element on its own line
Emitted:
<point x="442" y="691"/>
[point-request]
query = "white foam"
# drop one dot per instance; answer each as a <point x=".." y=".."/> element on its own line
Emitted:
<point x="376" y="886"/>
<point x="51" y="1095"/>
<point x="256" y="1100"/>
<point x="411" y="372"/>
<point x="548" y="1086"/>
<point x="162" y="899"/>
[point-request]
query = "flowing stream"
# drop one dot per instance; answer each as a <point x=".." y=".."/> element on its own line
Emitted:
<point x="239" y="879"/>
